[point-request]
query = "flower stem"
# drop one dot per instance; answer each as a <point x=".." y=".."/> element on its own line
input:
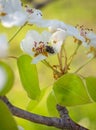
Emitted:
<point x="46" y="63"/>
<point x="65" y="64"/>
<point x="74" y="53"/>
<point x="60" y="60"/>
<point x="83" y="65"/>
<point x="13" y="57"/>
<point x="14" y="35"/>
<point x="60" y="55"/>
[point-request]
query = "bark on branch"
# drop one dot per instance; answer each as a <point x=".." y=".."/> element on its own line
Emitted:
<point x="64" y="122"/>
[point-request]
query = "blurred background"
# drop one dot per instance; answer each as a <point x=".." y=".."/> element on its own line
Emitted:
<point x="82" y="12"/>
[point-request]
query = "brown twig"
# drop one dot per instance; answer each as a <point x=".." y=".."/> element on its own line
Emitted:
<point x="64" y="123"/>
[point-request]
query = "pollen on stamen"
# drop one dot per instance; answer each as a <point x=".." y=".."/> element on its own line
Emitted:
<point x="40" y="49"/>
<point x="3" y="14"/>
<point x="35" y="43"/>
<point x="29" y="10"/>
<point x="54" y="41"/>
<point x="87" y="40"/>
<point x="92" y="49"/>
<point x="75" y="40"/>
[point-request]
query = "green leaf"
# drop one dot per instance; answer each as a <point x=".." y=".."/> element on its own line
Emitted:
<point x="7" y="121"/>
<point x="51" y="104"/>
<point x="70" y="91"/>
<point x="29" y="76"/>
<point x="9" y="76"/>
<point x="91" y="86"/>
<point x="33" y="103"/>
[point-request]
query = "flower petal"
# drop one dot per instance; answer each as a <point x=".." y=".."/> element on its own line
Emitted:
<point x="14" y="19"/>
<point x="15" y="15"/>
<point x="38" y="58"/>
<point x="55" y="24"/>
<point x="46" y="36"/>
<point x="72" y="31"/>
<point x="27" y="45"/>
<point x="34" y="35"/>
<point x="57" y="46"/>
<point x="59" y="35"/>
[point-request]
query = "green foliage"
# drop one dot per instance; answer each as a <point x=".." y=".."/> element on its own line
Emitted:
<point x="51" y="104"/>
<point x="9" y="78"/>
<point x="91" y="86"/>
<point x="6" y="120"/>
<point x="33" y="103"/>
<point x="70" y="91"/>
<point x="44" y="97"/>
<point x="29" y="76"/>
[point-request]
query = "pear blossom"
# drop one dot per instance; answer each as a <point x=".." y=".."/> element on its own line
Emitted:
<point x="36" y="45"/>
<point x="70" y="30"/>
<point x="12" y="13"/>
<point x="3" y="78"/>
<point x="90" y="38"/>
<point x="34" y="15"/>
<point x="3" y="46"/>
<point x="90" y="41"/>
<point x="54" y="25"/>
<point x="73" y="31"/>
<point x="57" y="39"/>
<point x="40" y="46"/>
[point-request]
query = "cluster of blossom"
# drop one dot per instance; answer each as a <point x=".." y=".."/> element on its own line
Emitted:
<point x="40" y="46"/>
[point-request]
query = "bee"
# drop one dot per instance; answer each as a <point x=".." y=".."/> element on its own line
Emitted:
<point x="50" y="49"/>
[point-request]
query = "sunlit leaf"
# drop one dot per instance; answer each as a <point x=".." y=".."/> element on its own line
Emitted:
<point x="70" y="91"/>
<point x="29" y="76"/>
<point x="51" y="104"/>
<point x="33" y="103"/>
<point x="9" y="78"/>
<point x="91" y="86"/>
<point x="7" y="121"/>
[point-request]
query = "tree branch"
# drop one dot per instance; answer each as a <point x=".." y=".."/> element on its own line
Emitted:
<point x="63" y="123"/>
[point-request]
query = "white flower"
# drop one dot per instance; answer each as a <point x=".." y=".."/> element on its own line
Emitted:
<point x="12" y="13"/>
<point x="3" y="46"/>
<point x="34" y="15"/>
<point x="54" y="25"/>
<point x="37" y="45"/>
<point x="90" y="41"/>
<point x="57" y="39"/>
<point x="73" y="31"/>
<point x="3" y="78"/>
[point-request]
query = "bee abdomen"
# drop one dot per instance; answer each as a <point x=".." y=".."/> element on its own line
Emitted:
<point x="50" y="49"/>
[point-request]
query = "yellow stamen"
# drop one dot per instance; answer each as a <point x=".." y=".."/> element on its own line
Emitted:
<point x="2" y="14"/>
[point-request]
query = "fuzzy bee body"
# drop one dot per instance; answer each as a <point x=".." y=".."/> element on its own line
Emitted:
<point x="50" y="49"/>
